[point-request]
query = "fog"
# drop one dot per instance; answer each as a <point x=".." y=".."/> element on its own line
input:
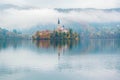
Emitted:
<point x="27" y="18"/>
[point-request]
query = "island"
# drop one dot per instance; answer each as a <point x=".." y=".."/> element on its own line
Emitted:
<point x="60" y="33"/>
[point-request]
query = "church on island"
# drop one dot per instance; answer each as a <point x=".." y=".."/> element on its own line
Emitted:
<point x="60" y="33"/>
<point x="61" y="28"/>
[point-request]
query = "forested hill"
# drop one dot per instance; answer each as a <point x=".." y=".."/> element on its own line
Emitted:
<point x="6" y="34"/>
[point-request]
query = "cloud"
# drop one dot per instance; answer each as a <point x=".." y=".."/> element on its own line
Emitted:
<point x="27" y="18"/>
<point x="12" y="18"/>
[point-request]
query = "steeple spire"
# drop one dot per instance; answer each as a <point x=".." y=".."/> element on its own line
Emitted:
<point x="58" y="21"/>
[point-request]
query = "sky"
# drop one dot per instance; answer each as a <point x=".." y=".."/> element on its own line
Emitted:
<point x="29" y="13"/>
<point x="101" y="4"/>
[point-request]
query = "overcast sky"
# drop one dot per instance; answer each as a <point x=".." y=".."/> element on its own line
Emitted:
<point x="64" y="3"/>
<point x="29" y="13"/>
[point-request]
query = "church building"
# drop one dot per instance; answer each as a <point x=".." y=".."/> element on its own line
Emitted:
<point x="61" y="28"/>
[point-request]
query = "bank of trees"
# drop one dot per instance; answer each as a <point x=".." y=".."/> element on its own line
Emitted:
<point x="62" y="35"/>
<point x="57" y="35"/>
<point x="5" y="34"/>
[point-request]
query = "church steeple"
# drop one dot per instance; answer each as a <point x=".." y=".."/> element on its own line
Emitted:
<point x="61" y="28"/>
<point x="58" y="21"/>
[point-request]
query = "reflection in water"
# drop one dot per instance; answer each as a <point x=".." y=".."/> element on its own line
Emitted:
<point x="42" y="43"/>
<point x="59" y="45"/>
<point x="80" y="47"/>
<point x="67" y="46"/>
<point x="9" y="43"/>
<point x="56" y="44"/>
<point x="94" y="59"/>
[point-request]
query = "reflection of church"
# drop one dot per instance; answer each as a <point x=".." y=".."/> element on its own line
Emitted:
<point x="61" y="50"/>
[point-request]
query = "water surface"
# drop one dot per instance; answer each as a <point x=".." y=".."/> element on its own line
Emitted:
<point x="94" y="59"/>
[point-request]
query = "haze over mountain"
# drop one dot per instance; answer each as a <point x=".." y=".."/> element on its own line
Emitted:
<point x="94" y="17"/>
<point x="26" y="18"/>
<point x="90" y="20"/>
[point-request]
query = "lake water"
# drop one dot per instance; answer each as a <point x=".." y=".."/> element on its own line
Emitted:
<point x="94" y="59"/>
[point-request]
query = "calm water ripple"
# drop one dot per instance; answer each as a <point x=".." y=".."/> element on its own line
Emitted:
<point x="94" y="59"/>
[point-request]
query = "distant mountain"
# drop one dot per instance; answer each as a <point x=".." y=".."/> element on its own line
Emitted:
<point x="86" y="30"/>
<point x="8" y="6"/>
<point x="85" y="9"/>
<point x="89" y="23"/>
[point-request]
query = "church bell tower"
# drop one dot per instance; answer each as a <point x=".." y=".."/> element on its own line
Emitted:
<point x="58" y="21"/>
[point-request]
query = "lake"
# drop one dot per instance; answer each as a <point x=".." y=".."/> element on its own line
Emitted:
<point x="93" y="59"/>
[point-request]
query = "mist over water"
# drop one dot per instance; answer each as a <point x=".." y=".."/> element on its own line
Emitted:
<point x="96" y="56"/>
<point x="93" y="59"/>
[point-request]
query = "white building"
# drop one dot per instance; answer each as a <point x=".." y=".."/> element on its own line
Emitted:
<point x="61" y="28"/>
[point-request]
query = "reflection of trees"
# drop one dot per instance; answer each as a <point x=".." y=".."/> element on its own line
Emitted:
<point x="42" y="43"/>
<point x="55" y="43"/>
<point x="99" y="45"/>
<point x="8" y="43"/>
<point x="59" y="45"/>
